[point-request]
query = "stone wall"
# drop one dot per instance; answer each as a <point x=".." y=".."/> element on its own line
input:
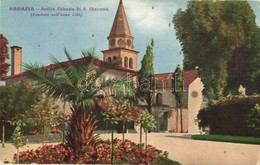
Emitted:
<point x="173" y="126"/>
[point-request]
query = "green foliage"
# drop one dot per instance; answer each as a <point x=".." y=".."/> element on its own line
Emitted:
<point x="163" y="159"/>
<point x="44" y="115"/>
<point x="207" y="31"/>
<point x="147" y="68"/>
<point x="244" y="65"/>
<point x="145" y="89"/>
<point x="18" y="138"/>
<point x="112" y="113"/>
<point x="178" y="85"/>
<point x="146" y="120"/>
<point x="77" y="85"/>
<point x="178" y="91"/>
<point x="120" y="110"/>
<point x="232" y="139"/>
<point x="254" y="119"/>
<point x="15" y="101"/>
<point x="229" y="115"/>
<point x="72" y="83"/>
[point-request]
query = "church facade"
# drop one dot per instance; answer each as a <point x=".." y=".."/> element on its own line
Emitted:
<point x="120" y="47"/>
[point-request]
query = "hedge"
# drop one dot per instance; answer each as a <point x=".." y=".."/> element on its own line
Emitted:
<point x="229" y="116"/>
<point x="231" y="139"/>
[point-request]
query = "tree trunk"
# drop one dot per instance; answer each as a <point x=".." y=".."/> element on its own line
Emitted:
<point x="181" y="120"/>
<point x="177" y="122"/>
<point x="149" y="103"/>
<point x="81" y="131"/>
<point x="145" y="139"/>
<point x="17" y="156"/>
<point x="141" y="135"/>
<point x="64" y="121"/>
<point x="43" y="134"/>
<point x="123" y="133"/>
<point x="112" y="144"/>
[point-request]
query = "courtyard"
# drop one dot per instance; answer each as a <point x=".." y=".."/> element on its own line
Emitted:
<point x="181" y="148"/>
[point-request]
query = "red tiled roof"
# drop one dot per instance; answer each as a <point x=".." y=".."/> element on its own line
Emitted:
<point x="16" y="75"/>
<point x="189" y="76"/>
<point x="164" y="80"/>
<point x="76" y="62"/>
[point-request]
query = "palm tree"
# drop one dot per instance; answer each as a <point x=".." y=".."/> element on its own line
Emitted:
<point x="74" y="81"/>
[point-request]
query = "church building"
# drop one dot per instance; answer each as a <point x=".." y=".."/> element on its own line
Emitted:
<point x="120" y="47"/>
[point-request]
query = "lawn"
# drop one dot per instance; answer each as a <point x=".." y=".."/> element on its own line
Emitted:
<point x="225" y="138"/>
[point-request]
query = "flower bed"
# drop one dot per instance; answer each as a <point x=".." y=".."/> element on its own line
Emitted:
<point x="124" y="152"/>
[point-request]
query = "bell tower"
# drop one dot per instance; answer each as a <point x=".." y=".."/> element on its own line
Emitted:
<point x="120" y="41"/>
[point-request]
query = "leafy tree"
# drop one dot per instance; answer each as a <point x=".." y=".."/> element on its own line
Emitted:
<point x="208" y="31"/>
<point x="111" y="115"/>
<point x="146" y="74"/>
<point x="15" y="101"/>
<point x="116" y="110"/>
<point x="18" y="140"/>
<point x="148" y="122"/>
<point x="243" y="68"/>
<point x="45" y="115"/>
<point x="4" y="67"/>
<point x="178" y="91"/>
<point x="3" y="100"/>
<point x="77" y="85"/>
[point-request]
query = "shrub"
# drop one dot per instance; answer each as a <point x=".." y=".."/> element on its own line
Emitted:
<point x="125" y="153"/>
<point x="163" y="159"/>
<point x="229" y="115"/>
<point x="254" y="120"/>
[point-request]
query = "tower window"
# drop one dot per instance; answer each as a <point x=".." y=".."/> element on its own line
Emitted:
<point x="131" y="63"/>
<point x="126" y="62"/>
<point x="114" y="58"/>
<point x="109" y="59"/>
<point x="120" y="42"/>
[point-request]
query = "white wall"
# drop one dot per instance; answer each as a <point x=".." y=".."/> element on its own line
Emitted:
<point x="194" y="104"/>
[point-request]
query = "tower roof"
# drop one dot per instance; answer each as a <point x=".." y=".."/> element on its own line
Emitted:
<point x="120" y="25"/>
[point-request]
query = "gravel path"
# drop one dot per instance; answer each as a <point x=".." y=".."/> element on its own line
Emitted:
<point x="181" y="148"/>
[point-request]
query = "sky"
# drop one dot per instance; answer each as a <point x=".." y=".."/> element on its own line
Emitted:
<point x="42" y="36"/>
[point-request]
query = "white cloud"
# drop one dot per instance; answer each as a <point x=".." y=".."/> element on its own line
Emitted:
<point x="147" y="16"/>
<point x="152" y="15"/>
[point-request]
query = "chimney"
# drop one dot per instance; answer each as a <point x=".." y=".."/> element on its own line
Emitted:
<point x="16" y="60"/>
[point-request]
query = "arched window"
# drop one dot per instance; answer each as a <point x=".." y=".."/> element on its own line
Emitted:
<point x="114" y="58"/>
<point x="126" y="62"/>
<point x="109" y="59"/>
<point x="131" y="63"/>
<point x="159" y="99"/>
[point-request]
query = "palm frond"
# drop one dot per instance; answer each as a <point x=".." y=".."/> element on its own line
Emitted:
<point x="37" y="74"/>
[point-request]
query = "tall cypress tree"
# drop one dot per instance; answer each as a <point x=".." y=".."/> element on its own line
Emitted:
<point x="178" y="91"/>
<point x="146" y="74"/>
